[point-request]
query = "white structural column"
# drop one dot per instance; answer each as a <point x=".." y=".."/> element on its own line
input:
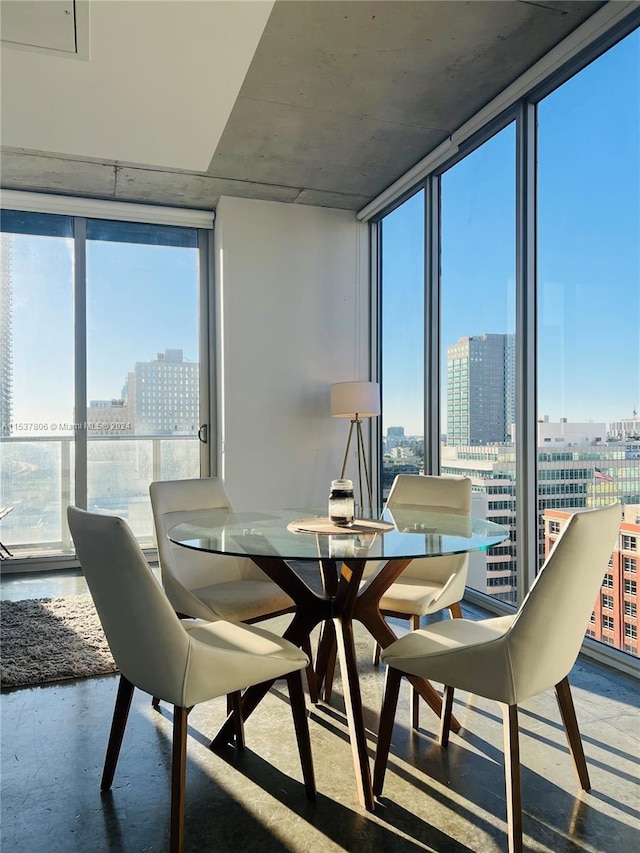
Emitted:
<point x="292" y="319"/>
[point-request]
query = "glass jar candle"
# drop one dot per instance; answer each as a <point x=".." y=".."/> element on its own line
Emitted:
<point x="341" y="502"/>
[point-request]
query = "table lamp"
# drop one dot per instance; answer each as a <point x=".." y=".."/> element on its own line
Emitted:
<point x="356" y="400"/>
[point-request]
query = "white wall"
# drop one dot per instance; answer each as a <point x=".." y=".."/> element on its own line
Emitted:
<point x="293" y="317"/>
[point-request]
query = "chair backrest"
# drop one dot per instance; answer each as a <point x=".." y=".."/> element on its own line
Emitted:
<point x="184" y="569"/>
<point x="148" y="643"/>
<point x="545" y="637"/>
<point x="447" y="494"/>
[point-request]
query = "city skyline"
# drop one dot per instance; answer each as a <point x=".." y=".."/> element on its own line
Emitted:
<point x="102" y="379"/>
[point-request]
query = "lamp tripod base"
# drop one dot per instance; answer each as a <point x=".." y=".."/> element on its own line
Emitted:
<point x="362" y="460"/>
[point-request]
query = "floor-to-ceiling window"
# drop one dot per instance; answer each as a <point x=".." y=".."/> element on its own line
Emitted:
<point x="589" y="312"/>
<point x="142" y="363"/>
<point x="477" y="342"/>
<point x="101" y="371"/>
<point x="402" y="318"/>
<point x="537" y="231"/>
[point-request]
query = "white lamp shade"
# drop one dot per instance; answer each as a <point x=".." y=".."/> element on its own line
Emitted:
<point x="349" y="399"/>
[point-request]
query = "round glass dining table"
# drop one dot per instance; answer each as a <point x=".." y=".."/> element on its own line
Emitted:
<point x="387" y="541"/>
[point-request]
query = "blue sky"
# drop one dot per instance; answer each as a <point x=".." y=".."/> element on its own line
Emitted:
<point x="588" y="258"/>
<point x="140" y="300"/>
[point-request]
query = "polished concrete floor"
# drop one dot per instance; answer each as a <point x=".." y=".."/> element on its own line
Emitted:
<point x="53" y="743"/>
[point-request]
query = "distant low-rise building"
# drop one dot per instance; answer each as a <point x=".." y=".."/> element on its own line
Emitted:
<point x="109" y="417"/>
<point x="570" y="476"/>
<point x="625" y="430"/>
<point x="569" y="433"/>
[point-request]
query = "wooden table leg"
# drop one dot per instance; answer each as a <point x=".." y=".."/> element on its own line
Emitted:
<point x="343" y="601"/>
<point x="326" y="660"/>
<point x="311" y="610"/>
<point x="297" y="633"/>
<point x="345" y="607"/>
<point x="355" y="717"/>
<point x="251" y="698"/>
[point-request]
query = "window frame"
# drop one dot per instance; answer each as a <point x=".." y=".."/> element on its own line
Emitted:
<point x="524" y="111"/>
<point x="608" y="623"/>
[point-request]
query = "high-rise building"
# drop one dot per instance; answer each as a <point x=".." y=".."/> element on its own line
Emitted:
<point x="480" y="390"/>
<point x="6" y="353"/>
<point x="165" y="395"/>
<point x="395" y="434"/>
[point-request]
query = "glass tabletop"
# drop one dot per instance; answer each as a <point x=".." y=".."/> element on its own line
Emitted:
<point x="408" y="532"/>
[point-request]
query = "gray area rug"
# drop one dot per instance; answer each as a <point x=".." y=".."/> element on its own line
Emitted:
<point x="51" y="639"/>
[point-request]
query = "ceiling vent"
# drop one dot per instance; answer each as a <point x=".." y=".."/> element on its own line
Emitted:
<point x="52" y="26"/>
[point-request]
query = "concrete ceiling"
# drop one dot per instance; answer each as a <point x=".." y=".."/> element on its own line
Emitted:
<point x="176" y="102"/>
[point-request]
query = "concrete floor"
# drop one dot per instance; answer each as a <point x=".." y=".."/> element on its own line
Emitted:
<point x="54" y="737"/>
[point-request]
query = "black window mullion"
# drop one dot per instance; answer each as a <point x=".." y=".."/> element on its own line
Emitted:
<point x="80" y="359"/>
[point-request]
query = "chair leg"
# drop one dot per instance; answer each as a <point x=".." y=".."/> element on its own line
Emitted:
<point x="445" y="717"/>
<point x="312" y="681"/>
<point x="178" y="774"/>
<point x="118" y="724"/>
<point x="301" y="725"/>
<point x="415" y="696"/>
<point x="235" y="701"/>
<point x="456" y="611"/>
<point x="376" y="653"/>
<point x="568" y="714"/>
<point x="512" y="777"/>
<point x="385" y="729"/>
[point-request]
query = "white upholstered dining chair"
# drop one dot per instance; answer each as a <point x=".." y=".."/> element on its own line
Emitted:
<point x="512" y="658"/>
<point x="428" y="584"/>
<point x="202" y="585"/>
<point x="211" y="586"/>
<point x="181" y="662"/>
